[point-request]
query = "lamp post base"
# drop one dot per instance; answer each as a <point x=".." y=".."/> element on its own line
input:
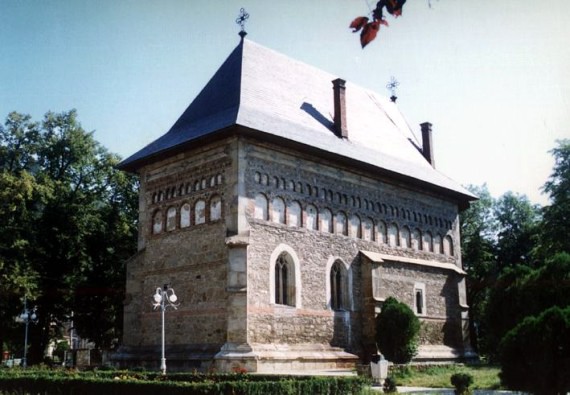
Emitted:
<point x="163" y="365"/>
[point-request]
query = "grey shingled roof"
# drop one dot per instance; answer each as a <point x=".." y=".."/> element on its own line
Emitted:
<point x="275" y="95"/>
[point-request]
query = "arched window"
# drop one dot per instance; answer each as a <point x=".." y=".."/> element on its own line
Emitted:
<point x="405" y="237"/>
<point x="257" y="177"/>
<point x="337" y="281"/>
<point x="212" y="181"/>
<point x="278" y="211"/>
<point x="326" y="220"/>
<point x="448" y="245"/>
<point x="219" y="179"/>
<point x="260" y="207"/>
<point x="185" y="215"/>
<point x="393" y="235"/>
<point x="294" y="214"/>
<point x="203" y="183"/>
<point x="157" y="223"/>
<point x="340" y="224"/>
<point x="355" y="227"/>
<point x="276" y="182"/>
<point x="215" y="208"/>
<point x="382" y="235"/>
<point x="417" y="239"/>
<point x="171" y="219"/>
<point x="437" y="244"/>
<point x="284" y="280"/>
<point x="154" y="197"/>
<point x="311" y="217"/>
<point x="367" y="229"/>
<point x="264" y="179"/>
<point x="200" y="212"/>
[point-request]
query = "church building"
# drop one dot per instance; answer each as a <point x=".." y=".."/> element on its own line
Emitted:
<point x="284" y="206"/>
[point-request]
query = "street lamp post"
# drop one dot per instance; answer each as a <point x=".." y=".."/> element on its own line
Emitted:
<point x="164" y="297"/>
<point x="26" y="317"/>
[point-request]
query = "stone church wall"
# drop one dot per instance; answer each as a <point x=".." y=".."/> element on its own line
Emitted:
<point x="186" y="251"/>
<point x="363" y="202"/>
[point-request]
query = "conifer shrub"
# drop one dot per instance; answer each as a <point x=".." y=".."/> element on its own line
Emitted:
<point x="535" y="355"/>
<point x="389" y="386"/>
<point x="461" y="382"/>
<point x="397" y="329"/>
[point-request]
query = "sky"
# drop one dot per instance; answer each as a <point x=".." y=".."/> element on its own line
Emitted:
<point x="492" y="76"/>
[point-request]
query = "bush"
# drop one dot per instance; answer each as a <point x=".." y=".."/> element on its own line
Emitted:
<point x="389" y="386"/>
<point x="535" y="355"/>
<point x="461" y="382"/>
<point x="33" y="381"/>
<point x="397" y="329"/>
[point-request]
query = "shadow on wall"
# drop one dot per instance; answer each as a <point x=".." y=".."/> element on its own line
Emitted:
<point x="452" y="329"/>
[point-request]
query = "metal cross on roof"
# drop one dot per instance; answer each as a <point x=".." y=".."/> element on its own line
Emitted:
<point x="243" y="16"/>
<point x="392" y="85"/>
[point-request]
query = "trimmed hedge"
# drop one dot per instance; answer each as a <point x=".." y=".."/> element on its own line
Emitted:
<point x="124" y="383"/>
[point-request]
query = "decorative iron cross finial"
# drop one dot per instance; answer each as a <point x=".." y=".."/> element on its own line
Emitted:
<point x="243" y="16"/>
<point x="392" y="85"/>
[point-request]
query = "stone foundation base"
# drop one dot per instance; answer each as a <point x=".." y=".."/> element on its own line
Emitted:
<point x="262" y="358"/>
<point x="282" y="358"/>
<point x="179" y="358"/>
<point x="441" y="353"/>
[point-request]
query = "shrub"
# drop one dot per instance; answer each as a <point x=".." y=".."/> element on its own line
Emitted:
<point x="535" y="355"/>
<point x="397" y="329"/>
<point x="461" y="382"/>
<point x="389" y="386"/>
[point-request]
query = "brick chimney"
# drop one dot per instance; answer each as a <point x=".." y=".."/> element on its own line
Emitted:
<point x="427" y="143"/>
<point x="339" y="89"/>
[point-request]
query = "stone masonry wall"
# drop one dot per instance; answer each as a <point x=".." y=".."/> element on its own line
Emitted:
<point x="188" y="253"/>
<point x="371" y="209"/>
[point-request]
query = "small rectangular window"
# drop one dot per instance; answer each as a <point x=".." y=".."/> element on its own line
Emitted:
<point x="420" y="298"/>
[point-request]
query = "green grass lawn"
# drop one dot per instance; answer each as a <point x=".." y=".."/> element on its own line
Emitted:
<point x="484" y="377"/>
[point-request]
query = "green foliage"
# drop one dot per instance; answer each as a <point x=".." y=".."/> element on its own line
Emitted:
<point x="69" y="224"/>
<point x="438" y="376"/>
<point x="141" y="384"/>
<point x="556" y="217"/>
<point x="389" y="386"/>
<point x="397" y="329"/>
<point x="523" y="292"/>
<point x="518" y="226"/>
<point x="535" y="355"/>
<point x="461" y="382"/>
<point x="498" y="236"/>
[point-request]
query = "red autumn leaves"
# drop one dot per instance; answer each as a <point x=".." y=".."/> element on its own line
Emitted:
<point x="369" y="30"/>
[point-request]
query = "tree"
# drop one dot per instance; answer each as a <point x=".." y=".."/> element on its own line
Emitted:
<point x="397" y="329"/>
<point x="69" y="223"/>
<point x="522" y="292"/>
<point x="535" y="355"/>
<point x="478" y="249"/>
<point x="517" y="223"/>
<point x="555" y="226"/>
